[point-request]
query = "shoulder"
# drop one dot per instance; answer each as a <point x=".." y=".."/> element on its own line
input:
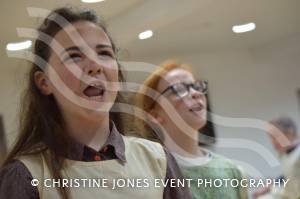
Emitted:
<point x="222" y="160"/>
<point x="147" y="145"/>
<point x="225" y="163"/>
<point x="15" y="181"/>
<point x="14" y="169"/>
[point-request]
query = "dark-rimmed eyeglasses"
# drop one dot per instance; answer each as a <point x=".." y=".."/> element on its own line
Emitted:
<point x="183" y="89"/>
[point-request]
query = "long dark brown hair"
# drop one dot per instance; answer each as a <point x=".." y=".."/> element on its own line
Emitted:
<point x="39" y="113"/>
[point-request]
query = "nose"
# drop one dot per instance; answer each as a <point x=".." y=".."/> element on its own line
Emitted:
<point x="195" y="94"/>
<point x="92" y="67"/>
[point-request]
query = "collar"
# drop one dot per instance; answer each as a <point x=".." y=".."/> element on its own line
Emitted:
<point x="72" y="149"/>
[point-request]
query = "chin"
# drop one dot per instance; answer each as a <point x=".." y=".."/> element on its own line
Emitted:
<point x="93" y="115"/>
<point x="196" y="124"/>
<point x="203" y="123"/>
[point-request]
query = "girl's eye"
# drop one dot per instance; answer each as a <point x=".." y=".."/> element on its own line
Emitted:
<point x="180" y="88"/>
<point x="106" y="54"/>
<point x="197" y="87"/>
<point x="74" y="57"/>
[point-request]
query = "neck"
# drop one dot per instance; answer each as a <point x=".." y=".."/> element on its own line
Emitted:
<point x="90" y="133"/>
<point x="184" y="143"/>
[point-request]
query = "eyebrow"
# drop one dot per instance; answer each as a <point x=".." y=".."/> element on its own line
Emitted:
<point x="103" y="46"/>
<point x="72" y="48"/>
<point x="76" y="48"/>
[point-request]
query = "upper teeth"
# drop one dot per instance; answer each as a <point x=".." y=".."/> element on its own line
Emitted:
<point x="96" y="85"/>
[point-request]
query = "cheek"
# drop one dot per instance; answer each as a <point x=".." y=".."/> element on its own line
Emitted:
<point x="204" y="101"/>
<point x="275" y="143"/>
<point x="113" y="75"/>
<point x="179" y="104"/>
<point x="111" y="71"/>
<point x="63" y="80"/>
<point x="112" y="78"/>
<point x="69" y="79"/>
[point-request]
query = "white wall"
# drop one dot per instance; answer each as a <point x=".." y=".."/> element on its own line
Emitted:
<point x="259" y="84"/>
<point x="12" y="81"/>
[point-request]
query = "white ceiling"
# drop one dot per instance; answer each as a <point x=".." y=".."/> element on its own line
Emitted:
<point x="205" y="25"/>
<point x="13" y="14"/>
<point x="179" y="26"/>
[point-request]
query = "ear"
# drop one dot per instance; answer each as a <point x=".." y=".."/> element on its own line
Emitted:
<point x="42" y="82"/>
<point x="157" y="117"/>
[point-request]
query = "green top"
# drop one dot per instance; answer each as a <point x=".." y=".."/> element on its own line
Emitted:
<point x="217" y="167"/>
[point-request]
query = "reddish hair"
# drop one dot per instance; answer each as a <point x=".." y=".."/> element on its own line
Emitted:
<point x="145" y="100"/>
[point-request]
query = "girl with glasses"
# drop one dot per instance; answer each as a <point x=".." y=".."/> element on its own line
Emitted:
<point x="173" y="106"/>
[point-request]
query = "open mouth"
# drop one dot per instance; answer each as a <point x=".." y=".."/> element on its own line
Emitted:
<point x="94" y="90"/>
<point x="198" y="107"/>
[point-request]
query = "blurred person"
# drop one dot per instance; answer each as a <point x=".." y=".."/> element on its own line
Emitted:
<point x="174" y="106"/>
<point x="283" y="134"/>
<point x="284" y="137"/>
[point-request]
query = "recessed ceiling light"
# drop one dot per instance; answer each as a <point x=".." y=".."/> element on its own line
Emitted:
<point x="146" y="34"/>
<point x="91" y="1"/>
<point x="19" y="45"/>
<point x="244" y="28"/>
